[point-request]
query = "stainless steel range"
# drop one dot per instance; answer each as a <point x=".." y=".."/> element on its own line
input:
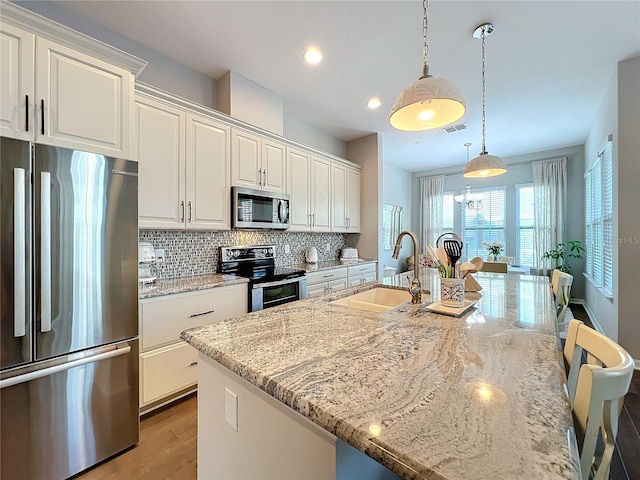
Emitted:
<point x="268" y="285"/>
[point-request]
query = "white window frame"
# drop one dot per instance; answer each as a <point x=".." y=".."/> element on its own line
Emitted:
<point x="599" y="220"/>
<point x="463" y="228"/>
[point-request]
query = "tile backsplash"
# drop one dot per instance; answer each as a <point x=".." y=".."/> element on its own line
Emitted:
<point x="196" y="253"/>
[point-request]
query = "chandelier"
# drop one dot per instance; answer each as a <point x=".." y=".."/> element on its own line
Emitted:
<point x="473" y="201"/>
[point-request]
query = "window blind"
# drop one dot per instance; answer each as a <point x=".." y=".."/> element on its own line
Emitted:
<point x="447" y="212"/>
<point x="588" y="200"/>
<point x="596" y="208"/>
<point x="525" y="225"/>
<point x="484" y="223"/>
<point x="607" y="218"/>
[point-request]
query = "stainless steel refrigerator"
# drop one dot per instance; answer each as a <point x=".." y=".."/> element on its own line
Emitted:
<point x="69" y="302"/>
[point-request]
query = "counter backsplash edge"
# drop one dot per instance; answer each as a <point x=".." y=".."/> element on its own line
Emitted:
<point x="190" y="253"/>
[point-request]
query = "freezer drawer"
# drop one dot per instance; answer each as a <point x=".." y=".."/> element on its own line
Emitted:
<point x="74" y="416"/>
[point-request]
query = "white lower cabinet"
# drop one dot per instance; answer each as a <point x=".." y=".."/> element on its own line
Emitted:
<point x="326" y="281"/>
<point x="168" y="366"/>
<point x="167" y="370"/>
<point x="359" y="274"/>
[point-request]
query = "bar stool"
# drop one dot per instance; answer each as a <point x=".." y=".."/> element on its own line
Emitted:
<point x="596" y="392"/>
<point x="562" y="294"/>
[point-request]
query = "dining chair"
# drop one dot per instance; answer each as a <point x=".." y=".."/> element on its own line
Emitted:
<point x="507" y="260"/>
<point x="554" y="281"/>
<point x="562" y="294"/>
<point x="596" y="392"/>
<point x="495" y="267"/>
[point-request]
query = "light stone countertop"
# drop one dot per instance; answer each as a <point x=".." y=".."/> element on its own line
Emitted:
<point x="475" y="397"/>
<point x="170" y="286"/>
<point x="328" y="264"/>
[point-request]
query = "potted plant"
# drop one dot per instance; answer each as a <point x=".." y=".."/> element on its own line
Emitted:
<point x="495" y="249"/>
<point x="563" y="252"/>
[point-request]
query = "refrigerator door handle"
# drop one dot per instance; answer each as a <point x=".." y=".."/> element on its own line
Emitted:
<point x="19" y="254"/>
<point x="27" y="377"/>
<point x="45" y="251"/>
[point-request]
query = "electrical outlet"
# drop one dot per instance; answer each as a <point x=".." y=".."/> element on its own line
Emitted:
<point x="231" y="408"/>
<point x="287" y="249"/>
<point x="328" y="247"/>
<point x="159" y="255"/>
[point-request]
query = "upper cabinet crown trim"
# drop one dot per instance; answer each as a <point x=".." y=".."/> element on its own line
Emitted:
<point x="26" y="19"/>
<point x="172" y="99"/>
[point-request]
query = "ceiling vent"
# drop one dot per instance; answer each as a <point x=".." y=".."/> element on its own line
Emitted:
<point x="455" y="128"/>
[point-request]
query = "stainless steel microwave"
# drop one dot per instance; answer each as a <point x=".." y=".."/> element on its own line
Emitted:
<point x="259" y="209"/>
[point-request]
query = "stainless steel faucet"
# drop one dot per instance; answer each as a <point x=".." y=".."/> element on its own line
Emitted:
<point x="415" y="289"/>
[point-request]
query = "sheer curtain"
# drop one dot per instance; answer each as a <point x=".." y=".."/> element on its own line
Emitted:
<point x="550" y="202"/>
<point x="431" y="196"/>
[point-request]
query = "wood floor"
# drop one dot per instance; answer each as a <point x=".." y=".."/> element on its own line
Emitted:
<point x="167" y="448"/>
<point x="168" y="441"/>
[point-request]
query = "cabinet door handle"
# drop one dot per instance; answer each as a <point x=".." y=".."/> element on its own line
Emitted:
<point x="42" y="120"/>
<point x="264" y="182"/>
<point x="260" y="177"/>
<point x="201" y="313"/>
<point x="189" y="211"/>
<point x="193" y="364"/>
<point x="182" y="211"/>
<point x="26" y="111"/>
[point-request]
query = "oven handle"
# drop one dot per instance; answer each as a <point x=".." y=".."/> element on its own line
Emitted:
<point x="277" y="283"/>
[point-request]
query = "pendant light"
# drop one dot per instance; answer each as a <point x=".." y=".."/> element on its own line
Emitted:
<point x="484" y="165"/>
<point x="429" y="102"/>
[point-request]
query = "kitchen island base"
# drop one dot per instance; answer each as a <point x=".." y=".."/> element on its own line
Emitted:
<point x="271" y="441"/>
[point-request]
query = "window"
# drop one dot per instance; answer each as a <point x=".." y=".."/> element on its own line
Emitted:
<point x="599" y="219"/>
<point x="447" y="212"/>
<point x="525" y="226"/>
<point x="484" y="223"/>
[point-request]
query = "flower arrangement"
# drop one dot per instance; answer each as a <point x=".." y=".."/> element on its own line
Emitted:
<point x="495" y="248"/>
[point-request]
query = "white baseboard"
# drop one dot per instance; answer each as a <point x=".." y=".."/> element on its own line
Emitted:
<point x="595" y="323"/>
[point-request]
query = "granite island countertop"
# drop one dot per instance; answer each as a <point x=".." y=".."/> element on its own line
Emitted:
<point x="475" y="397"/>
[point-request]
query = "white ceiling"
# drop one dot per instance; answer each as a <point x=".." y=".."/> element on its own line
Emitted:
<point x="548" y="62"/>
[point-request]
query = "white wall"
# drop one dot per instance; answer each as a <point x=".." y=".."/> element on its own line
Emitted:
<point x="252" y="103"/>
<point x="396" y="190"/>
<point x="602" y="309"/>
<point x="619" y="115"/>
<point x="628" y="202"/>
<point x="306" y="134"/>
<point x="367" y="152"/>
<point x="519" y="171"/>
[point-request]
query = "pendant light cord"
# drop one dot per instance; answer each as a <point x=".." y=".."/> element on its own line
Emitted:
<point x="425" y="33"/>
<point x="484" y="128"/>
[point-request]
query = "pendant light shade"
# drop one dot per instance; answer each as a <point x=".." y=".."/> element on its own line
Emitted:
<point x="484" y="165"/>
<point x="425" y="104"/>
<point x="429" y="102"/>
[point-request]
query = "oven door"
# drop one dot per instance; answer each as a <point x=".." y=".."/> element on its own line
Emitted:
<point x="270" y="294"/>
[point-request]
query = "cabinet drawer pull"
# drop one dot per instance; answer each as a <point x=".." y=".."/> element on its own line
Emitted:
<point x="42" y="108"/>
<point x="328" y="276"/>
<point x="201" y="313"/>
<point x="26" y="110"/>
<point x="193" y="364"/>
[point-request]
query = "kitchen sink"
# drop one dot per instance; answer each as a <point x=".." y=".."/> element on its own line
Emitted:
<point x="379" y="299"/>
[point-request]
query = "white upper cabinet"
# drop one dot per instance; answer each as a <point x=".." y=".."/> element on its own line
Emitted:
<point x="160" y="151"/>
<point x="16" y="82"/>
<point x="257" y="162"/>
<point x="345" y="198"/>
<point x="298" y="174"/>
<point x="208" y="186"/>
<point x="61" y="88"/>
<point x="183" y="167"/>
<point x="320" y="189"/>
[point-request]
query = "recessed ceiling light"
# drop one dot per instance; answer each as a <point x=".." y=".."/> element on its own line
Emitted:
<point x="313" y="56"/>
<point x="374" y="103"/>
